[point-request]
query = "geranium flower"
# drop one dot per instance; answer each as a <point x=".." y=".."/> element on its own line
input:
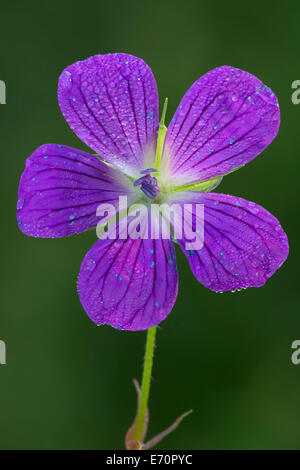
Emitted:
<point x="225" y="120"/>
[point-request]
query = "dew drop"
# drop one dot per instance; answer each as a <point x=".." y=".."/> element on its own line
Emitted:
<point x="20" y="203"/>
<point x="90" y="265"/>
<point x="29" y="162"/>
<point x="65" y="80"/>
<point x="254" y="210"/>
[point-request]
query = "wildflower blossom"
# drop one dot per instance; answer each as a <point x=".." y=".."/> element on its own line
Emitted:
<point x="225" y="120"/>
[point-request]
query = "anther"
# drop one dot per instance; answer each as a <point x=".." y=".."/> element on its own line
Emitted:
<point x="148" y="183"/>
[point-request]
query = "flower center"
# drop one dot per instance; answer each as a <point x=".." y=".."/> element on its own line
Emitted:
<point x="148" y="183"/>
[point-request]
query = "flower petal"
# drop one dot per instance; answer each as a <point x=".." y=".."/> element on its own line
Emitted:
<point x="111" y="102"/>
<point x="61" y="189"/>
<point x="243" y="243"/>
<point x="225" y="119"/>
<point x="129" y="284"/>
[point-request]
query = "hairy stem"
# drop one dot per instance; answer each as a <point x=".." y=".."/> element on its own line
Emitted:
<point x="148" y="362"/>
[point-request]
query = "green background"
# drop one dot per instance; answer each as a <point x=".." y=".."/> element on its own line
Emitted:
<point x="67" y="384"/>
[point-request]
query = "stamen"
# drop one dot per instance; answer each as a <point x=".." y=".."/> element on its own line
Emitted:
<point x="148" y="183"/>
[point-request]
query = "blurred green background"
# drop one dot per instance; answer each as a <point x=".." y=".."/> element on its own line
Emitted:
<point x="67" y="384"/>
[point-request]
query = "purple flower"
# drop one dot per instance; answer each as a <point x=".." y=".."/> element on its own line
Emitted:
<point x="225" y="120"/>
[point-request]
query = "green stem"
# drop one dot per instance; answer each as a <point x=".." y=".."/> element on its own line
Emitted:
<point x="161" y="136"/>
<point x="148" y="362"/>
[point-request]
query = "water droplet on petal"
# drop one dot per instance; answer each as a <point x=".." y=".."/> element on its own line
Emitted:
<point x="20" y="203"/>
<point x="66" y="80"/>
<point x="90" y="265"/>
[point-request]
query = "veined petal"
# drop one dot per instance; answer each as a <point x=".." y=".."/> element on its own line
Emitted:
<point x="61" y="189"/>
<point x="225" y="119"/>
<point x="111" y="102"/>
<point x="129" y="284"/>
<point x="243" y="243"/>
